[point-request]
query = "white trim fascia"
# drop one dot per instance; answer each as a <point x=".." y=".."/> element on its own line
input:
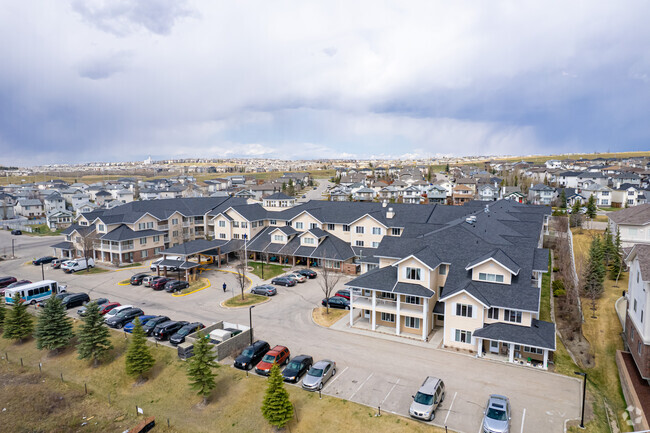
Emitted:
<point x="467" y="268"/>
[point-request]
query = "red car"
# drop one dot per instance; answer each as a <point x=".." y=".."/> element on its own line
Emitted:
<point x="278" y="355"/>
<point x="105" y="308"/>
<point x="160" y="283"/>
<point x="343" y="293"/>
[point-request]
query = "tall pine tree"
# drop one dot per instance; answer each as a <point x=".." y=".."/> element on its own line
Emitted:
<point x="54" y="327"/>
<point x="200" y="366"/>
<point x="138" y="358"/>
<point x="93" y="336"/>
<point x="594" y="274"/>
<point x="563" y="199"/>
<point x="276" y="406"/>
<point x="3" y="312"/>
<point x="617" y="257"/>
<point x="591" y="207"/>
<point x="18" y="322"/>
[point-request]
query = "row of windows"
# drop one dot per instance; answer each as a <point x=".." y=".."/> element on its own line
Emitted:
<point x="360" y="243"/>
<point x="143" y="226"/>
<point x="482" y="276"/>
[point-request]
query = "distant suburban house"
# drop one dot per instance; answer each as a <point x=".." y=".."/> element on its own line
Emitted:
<point x="488" y="192"/>
<point x="29" y="208"/>
<point x="541" y="194"/>
<point x="513" y="193"/>
<point x="633" y="223"/>
<point x="59" y="219"/>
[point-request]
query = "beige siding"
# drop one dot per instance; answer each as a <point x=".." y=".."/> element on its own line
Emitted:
<point x="339" y="232"/>
<point x="425" y="274"/>
<point x="367" y="237"/>
<point x="491" y="267"/>
<point x="453" y="322"/>
<point x="222" y="230"/>
<point x="306" y="219"/>
<point x="386" y="262"/>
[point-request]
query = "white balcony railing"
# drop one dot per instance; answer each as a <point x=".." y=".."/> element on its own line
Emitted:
<point x="163" y="227"/>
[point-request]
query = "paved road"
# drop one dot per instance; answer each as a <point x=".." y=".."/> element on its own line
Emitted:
<point x="371" y="371"/>
<point x="316" y="194"/>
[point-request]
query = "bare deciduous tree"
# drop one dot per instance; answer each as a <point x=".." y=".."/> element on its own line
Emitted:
<point x="240" y="267"/>
<point x="89" y="240"/>
<point x="328" y="281"/>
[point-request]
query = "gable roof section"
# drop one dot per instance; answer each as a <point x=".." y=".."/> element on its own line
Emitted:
<point x="124" y="233"/>
<point x="635" y="215"/>
<point x="540" y="334"/>
<point x="498" y="256"/>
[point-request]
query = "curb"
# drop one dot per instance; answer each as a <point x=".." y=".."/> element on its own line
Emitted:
<point x="179" y="295"/>
<point x="124" y="284"/>
<point x="133" y="267"/>
<point x="268" y="299"/>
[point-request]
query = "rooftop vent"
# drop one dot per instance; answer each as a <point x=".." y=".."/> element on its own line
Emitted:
<point x="390" y="214"/>
<point x="471" y="219"/>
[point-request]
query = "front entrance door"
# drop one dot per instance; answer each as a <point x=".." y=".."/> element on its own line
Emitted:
<point x="494" y="346"/>
<point x="366" y="314"/>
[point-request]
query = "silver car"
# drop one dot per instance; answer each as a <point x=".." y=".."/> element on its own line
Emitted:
<point x="496" y="418"/>
<point x="318" y="375"/>
<point x="427" y="399"/>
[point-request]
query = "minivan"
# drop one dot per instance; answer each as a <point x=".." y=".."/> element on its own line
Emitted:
<point x="77" y="265"/>
<point x="427" y="399"/>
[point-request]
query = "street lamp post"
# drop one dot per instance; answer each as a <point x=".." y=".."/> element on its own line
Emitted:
<point x="584" y="390"/>
<point x="250" y="321"/>
<point x="42" y="271"/>
<point x="13" y="253"/>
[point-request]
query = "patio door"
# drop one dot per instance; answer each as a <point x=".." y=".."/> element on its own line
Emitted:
<point x="366" y="314"/>
<point x="494" y="346"/>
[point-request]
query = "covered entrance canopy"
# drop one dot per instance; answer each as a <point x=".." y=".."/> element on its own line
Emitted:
<point x="66" y="248"/>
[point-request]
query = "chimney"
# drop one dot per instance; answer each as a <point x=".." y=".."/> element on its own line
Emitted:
<point x="390" y="214"/>
<point x="384" y="203"/>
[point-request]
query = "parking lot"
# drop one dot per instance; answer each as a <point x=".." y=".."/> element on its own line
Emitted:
<point x="370" y="370"/>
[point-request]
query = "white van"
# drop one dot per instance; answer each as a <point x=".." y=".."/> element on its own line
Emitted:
<point x="76" y="265"/>
<point x="156" y="263"/>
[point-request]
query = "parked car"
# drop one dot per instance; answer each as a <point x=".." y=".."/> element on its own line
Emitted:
<point x="115" y="310"/>
<point x="318" y="375"/>
<point x="77" y="265"/>
<point x="176" y="286"/>
<point x="266" y="290"/>
<point x="123" y="317"/>
<point x="60" y="296"/>
<point x="283" y="281"/>
<point x="16" y="232"/>
<point x="156" y="263"/>
<point x="166" y="329"/>
<point x="18" y="283"/>
<point x="343" y="293"/>
<point x="159" y="284"/>
<point x="496" y="417"/>
<point x="298" y="276"/>
<point x="56" y="263"/>
<point x="75" y="300"/>
<point x="152" y="323"/>
<point x="278" y="355"/>
<point x="101" y="301"/>
<point x="251" y="355"/>
<point x="308" y="273"/>
<point x="143" y="320"/>
<point x="104" y="309"/>
<point x="136" y="279"/>
<point x="5" y="281"/>
<point x="43" y="260"/>
<point x="336" y="302"/>
<point x="186" y="330"/>
<point x="297" y="367"/>
<point x="146" y="281"/>
<point x="427" y="399"/>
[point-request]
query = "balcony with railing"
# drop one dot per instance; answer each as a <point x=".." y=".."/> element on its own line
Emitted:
<point x="385" y="305"/>
<point x="163" y="227"/>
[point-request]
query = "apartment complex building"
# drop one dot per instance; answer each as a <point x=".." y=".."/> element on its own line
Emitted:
<point x="637" y="329"/>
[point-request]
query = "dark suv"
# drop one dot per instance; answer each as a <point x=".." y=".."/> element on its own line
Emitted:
<point x="297" y="367"/>
<point x="136" y="279"/>
<point x="252" y="355"/>
<point x="167" y="329"/>
<point x="152" y="323"/>
<point x="124" y="317"/>
<point x="176" y="286"/>
<point x="75" y="300"/>
<point x="186" y="330"/>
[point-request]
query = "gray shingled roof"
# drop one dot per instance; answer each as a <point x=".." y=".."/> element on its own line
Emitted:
<point x="635" y="215"/>
<point x="63" y="246"/>
<point x="498" y="255"/>
<point x="540" y="334"/>
<point x="124" y="233"/>
<point x="279" y="196"/>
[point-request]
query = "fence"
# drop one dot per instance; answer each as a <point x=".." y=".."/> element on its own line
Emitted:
<point x="21" y="224"/>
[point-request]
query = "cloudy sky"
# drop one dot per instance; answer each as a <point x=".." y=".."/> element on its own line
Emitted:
<point x="111" y="80"/>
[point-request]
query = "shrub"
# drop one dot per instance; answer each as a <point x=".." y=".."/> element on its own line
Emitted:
<point x="556" y="269"/>
<point x="558" y="284"/>
<point x="559" y="292"/>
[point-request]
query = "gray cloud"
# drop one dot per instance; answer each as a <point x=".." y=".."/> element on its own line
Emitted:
<point x="104" y="67"/>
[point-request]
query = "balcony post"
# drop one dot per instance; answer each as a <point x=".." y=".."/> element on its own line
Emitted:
<point x="373" y="319"/>
<point x="425" y="324"/>
<point x="398" y="318"/>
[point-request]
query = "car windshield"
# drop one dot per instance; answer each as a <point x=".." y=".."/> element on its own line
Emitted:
<point x="184" y="331"/>
<point x="423" y="398"/>
<point x="293" y="365"/>
<point x="496" y="414"/>
<point x="316" y="372"/>
<point x="248" y="352"/>
<point x="269" y="358"/>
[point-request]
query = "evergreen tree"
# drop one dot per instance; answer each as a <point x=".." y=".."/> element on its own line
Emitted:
<point x="18" y="322"/>
<point x="576" y="218"/>
<point x="591" y="207"/>
<point x="291" y="189"/>
<point x="608" y="247"/>
<point x="594" y="274"/>
<point x="54" y="327"/>
<point x="563" y="199"/>
<point x="138" y="359"/>
<point x="447" y="168"/>
<point x="3" y="312"/>
<point x="93" y="337"/>
<point x="284" y="187"/>
<point x="199" y="368"/>
<point x="617" y="257"/>
<point x="276" y="407"/>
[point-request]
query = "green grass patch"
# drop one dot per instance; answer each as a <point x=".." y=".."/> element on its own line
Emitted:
<point x="249" y="299"/>
<point x="611" y="209"/>
<point x="91" y="271"/>
<point x="42" y="230"/>
<point x="131" y="265"/>
<point x="270" y="270"/>
<point x="201" y="282"/>
<point x="545" y="303"/>
<point x="125" y="282"/>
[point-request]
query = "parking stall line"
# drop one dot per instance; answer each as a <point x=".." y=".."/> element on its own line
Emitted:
<point x="523" y="418"/>
<point x="340" y="374"/>
<point x="360" y="386"/>
<point x="391" y="390"/>
<point x="450" y="406"/>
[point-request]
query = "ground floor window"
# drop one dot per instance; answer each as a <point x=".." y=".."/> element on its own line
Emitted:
<point x="536" y="350"/>
<point x="387" y="317"/>
<point x="639" y="348"/>
<point x="332" y="264"/>
<point x="156" y="251"/>
<point x="412" y="322"/>
<point x="144" y="254"/>
<point x="463" y="336"/>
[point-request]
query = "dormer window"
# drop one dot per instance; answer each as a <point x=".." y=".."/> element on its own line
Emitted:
<point x="279" y="238"/>
<point x="490" y="277"/>
<point x="413" y="274"/>
<point x="309" y="241"/>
